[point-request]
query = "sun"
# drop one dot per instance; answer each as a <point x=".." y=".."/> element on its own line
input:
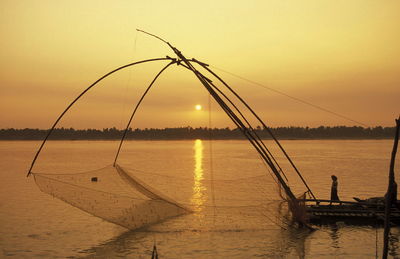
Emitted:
<point x="198" y="107"/>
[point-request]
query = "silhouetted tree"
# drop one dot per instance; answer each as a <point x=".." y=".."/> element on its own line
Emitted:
<point x="322" y="132"/>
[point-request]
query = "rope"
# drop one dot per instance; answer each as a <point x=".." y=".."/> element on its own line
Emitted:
<point x="287" y="189"/>
<point x="292" y="97"/>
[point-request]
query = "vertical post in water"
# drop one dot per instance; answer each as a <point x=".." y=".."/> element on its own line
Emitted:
<point x="388" y="198"/>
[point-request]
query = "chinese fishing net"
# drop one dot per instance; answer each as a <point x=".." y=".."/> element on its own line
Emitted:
<point x="219" y="193"/>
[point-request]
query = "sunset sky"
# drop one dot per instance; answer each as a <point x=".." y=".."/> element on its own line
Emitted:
<point x="341" y="55"/>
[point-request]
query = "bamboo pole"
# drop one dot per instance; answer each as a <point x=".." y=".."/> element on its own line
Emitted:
<point x="78" y="97"/>
<point x="388" y="198"/>
<point x="263" y="124"/>
<point x="173" y="61"/>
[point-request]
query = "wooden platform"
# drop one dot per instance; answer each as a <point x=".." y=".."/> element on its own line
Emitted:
<point x="354" y="213"/>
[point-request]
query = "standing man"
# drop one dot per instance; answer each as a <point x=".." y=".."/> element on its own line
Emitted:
<point x="334" y="189"/>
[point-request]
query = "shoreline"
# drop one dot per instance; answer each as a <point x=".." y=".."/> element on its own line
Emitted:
<point x="184" y="139"/>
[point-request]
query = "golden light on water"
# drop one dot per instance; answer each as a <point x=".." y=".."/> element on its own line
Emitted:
<point x="199" y="189"/>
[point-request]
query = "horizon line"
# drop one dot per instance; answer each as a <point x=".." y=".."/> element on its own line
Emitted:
<point x="203" y="127"/>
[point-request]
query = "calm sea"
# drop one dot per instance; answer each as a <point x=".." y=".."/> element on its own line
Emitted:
<point x="36" y="225"/>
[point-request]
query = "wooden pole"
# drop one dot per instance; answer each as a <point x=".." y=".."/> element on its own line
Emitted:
<point x="388" y="198"/>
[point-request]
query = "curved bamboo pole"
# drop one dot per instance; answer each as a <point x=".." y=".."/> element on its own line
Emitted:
<point x="79" y="96"/>
<point x="137" y="106"/>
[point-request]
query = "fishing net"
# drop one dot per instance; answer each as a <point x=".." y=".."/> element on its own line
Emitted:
<point x="111" y="194"/>
<point x="232" y="193"/>
<point x="133" y="198"/>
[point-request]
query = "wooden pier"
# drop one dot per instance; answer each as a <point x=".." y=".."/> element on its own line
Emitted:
<point x="354" y="213"/>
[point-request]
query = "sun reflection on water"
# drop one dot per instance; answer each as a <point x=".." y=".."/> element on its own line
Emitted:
<point x="199" y="196"/>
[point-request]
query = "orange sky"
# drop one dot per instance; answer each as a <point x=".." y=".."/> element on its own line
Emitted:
<point x="341" y="55"/>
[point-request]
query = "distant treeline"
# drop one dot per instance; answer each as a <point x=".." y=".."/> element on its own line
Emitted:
<point x="337" y="132"/>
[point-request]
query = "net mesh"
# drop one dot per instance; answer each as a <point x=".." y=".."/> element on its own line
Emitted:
<point x="134" y="199"/>
<point x="105" y="194"/>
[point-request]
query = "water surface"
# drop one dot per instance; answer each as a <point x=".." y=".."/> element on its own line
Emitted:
<point x="36" y="225"/>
